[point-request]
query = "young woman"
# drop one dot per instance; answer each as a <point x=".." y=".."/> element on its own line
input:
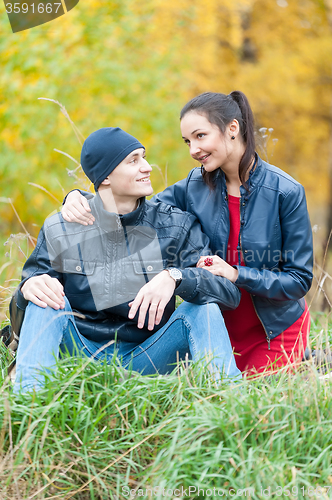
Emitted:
<point x="258" y="224"/>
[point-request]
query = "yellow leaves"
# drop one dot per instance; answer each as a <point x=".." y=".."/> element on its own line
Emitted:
<point x="12" y="138"/>
<point x="39" y="200"/>
<point x="92" y="5"/>
<point x="134" y="64"/>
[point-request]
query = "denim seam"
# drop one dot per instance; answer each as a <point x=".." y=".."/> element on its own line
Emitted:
<point x="181" y="317"/>
<point x="81" y="337"/>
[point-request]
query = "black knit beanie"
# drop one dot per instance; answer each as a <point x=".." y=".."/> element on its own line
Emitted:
<point x="103" y="150"/>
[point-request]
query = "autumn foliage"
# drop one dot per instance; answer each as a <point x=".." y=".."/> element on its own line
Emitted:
<point x="134" y="64"/>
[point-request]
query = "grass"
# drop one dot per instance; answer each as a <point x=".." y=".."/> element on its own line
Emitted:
<point x="97" y="432"/>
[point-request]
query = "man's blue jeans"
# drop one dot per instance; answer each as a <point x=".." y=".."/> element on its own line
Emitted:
<point x="198" y="330"/>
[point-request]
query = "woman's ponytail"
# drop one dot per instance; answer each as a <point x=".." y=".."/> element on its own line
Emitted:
<point x="247" y="132"/>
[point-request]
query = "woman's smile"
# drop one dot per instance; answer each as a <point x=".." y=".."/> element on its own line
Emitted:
<point x="204" y="158"/>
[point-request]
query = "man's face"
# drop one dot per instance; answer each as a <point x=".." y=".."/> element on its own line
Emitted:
<point x="131" y="178"/>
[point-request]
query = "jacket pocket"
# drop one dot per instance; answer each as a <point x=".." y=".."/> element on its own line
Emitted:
<point x="150" y="268"/>
<point x="78" y="267"/>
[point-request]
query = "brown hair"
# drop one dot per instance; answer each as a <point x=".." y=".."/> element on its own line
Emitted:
<point x="221" y="109"/>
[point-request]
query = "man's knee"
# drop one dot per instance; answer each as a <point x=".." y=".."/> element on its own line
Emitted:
<point x="33" y="309"/>
<point x="205" y="311"/>
<point x="39" y="321"/>
<point x="38" y="309"/>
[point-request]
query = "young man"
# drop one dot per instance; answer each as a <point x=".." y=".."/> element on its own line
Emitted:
<point x="111" y="287"/>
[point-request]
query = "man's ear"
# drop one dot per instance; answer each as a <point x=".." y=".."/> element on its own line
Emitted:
<point x="106" y="182"/>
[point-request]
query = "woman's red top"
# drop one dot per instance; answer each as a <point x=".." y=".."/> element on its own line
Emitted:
<point x="246" y="332"/>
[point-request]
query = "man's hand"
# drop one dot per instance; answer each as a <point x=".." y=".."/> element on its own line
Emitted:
<point x="44" y="291"/>
<point x="77" y="209"/>
<point x="218" y="267"/>
<point x="154" y="296"/>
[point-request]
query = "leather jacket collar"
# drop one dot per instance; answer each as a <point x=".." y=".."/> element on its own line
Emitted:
<point x="255" y="180"/>
<point x="109" y="221"/>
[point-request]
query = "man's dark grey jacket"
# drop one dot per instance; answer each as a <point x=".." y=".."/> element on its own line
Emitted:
<point x="102" y="267"/>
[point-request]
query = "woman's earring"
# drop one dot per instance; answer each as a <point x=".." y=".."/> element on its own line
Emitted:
<point x="233" y="137"/>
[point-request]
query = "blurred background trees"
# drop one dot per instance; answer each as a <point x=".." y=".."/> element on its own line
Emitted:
<point x="134" y="64"/>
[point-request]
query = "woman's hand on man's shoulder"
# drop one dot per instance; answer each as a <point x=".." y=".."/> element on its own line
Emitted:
<point x="76" y="209"/>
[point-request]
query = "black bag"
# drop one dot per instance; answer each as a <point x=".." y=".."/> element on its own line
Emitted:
<point x="322" y="359"/>
<point x="9" y="338"/>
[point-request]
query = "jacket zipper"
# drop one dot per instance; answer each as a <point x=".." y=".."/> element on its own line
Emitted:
<point x="241" y="251"/>
<point x="266" y="335"/>
<point x="239" y="243"/>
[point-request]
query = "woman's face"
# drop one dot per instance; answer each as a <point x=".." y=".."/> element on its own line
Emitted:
<point x="206" y="143"/>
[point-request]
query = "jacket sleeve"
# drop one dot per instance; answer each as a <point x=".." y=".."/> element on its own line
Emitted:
<point x="292" y="278"/>
<point x="38" y="263"/>
<point x="87" y="194"/>
<point x="199" y="286"/>
<point x="175" y="195"/>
